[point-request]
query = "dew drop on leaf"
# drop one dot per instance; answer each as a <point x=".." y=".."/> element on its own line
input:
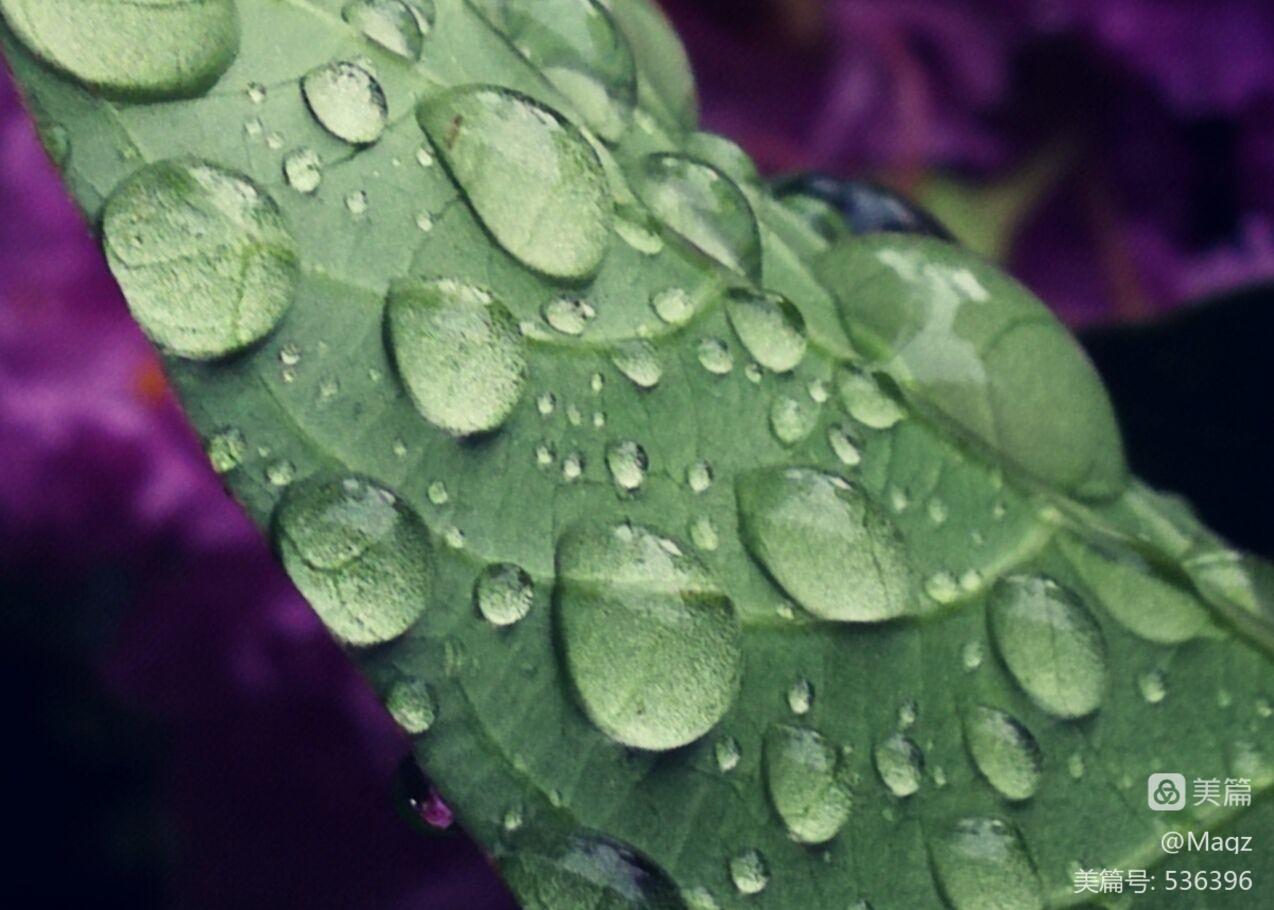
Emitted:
<point x="715" y="357"/>
<point x="1050" y="643"/>
<point x="1153" y="686"/>
<point x="831" y="548"/>
<point x="411" y="705"/>
<point x="639" y="362"/>
<point x="704" y="206"/>
<point x="226" y="450"/>
<point x="139" y="51"/>
<point x="750" y="872"/>
<point x="792" y="419"/>
<point x="389" y="23"/>
<point x="981" y="864"/>
<point x="529" y="175"/>
<point x="727" y="753"/>
<point x="568" y="315"/>
<point x="504" y="594"/>
<point x="900" y="764"/>
<point x="841" y="439"/>
<point x="303" y="170"/>
<point x="204" y="257"/>
<point x="1004" y="751"/>
<point x="699" y="476"/>
<point x="628" y="463"/>
<point x="769" y="326"/>
<point x="588" y="871"/>
<point x="800" y="697"/>
<point x="359" y="555"/>
<point x="649" y="638"/>
<point x="347" y="101"/>
<point x="577" y="47"/>
<point x="673" y="306"/>
<point x="866" y="401"/>
<point x="459" y="353"/>
<point x="807" y="781"/>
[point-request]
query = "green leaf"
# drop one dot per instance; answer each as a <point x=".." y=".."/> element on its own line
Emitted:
<point x="709" y="564"/>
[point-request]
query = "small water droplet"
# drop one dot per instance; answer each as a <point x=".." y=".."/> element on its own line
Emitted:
<point x="546" y="404"/>
<point x="673" y="306"/>
<point x="749" y="872"/>
<point x="971" y="655"/>
<point x="699" y="476"/>
<point x="703" y="534"/>
<point x="347" y="101"/>
<point x="843" y="446"/>
<point x="572" y="467"/>
<point x="769" y="326"/>
<point x="257" y="93"/>
<point x="727" y="754"/>
<point x="568" y="315"/>
<point x="280" y="473"/>
<point x="1004" y="751"/>
<point x="226" y="450"/>
<point x="411" y="705"/>
<point x="503" y="594"/>
<point x="638" y="362"/>
<point x="389" y="23"/>
<point x="937" y="511"/>
<point x="715" y="357"/>
<point x="900" y="764"/>
<point x="1153" y="686"/>
<point x="942" y="588"/>
<point x="628" y="464"/>
<point x="867" y="402"/>
<point x="424" y="222"/>
<point x="792" y="419"/>
<point x="1075" y="765"/>
<point x="800" y="697"/>
<point x="303" y="170"/>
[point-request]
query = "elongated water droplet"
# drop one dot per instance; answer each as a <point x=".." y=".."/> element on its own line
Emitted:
<point x="800" y="697"/>
<point x="841" y="439"/>
<point x="587" y="871"/>
<point x="900" y="764"/>
<point x="704" y="206"/>
<point x="1153" y="686"/>
<point x="504" y="594"/>
<point x="963" y="340"/>
<point x="808" y="783"/>
<point x="359" y="555"/>
<point x="866" y="401"/>
<point x="459" y="353"/>
<point x="568" y="315"/>
<point x="715" y="357"/>
<point x="628" y="464"/>
<point x="699" y="476"/>
<point x="770" y="327"/>
<point x="703" y="534"/>
<point x="140" y="51"/>
<point x="727" y="753"/>
<point x="529" y="175"/>
<point x="347" y="101"/>
<point x="750" y="872"/>
<point x="1004" y="751"/>
<point x="638" y="361"/>
<point x="204" y="256"/>
<point x="649" y="638"/>
<point x="579" y="49"/>
<point x="832" y="549"/>
<point x="389" y="23"/>
<point x="1050" y="644"/>
<point x="981" y="864"/>
<point x="411" y="705"/>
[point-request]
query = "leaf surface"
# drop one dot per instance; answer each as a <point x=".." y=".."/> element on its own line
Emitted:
<point x="711" y="562"/>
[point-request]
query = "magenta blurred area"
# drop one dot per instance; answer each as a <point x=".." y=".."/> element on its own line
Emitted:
<point x="192" y="737"/>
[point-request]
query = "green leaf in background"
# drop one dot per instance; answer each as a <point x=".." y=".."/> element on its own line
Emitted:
<point x="711" y="563"/>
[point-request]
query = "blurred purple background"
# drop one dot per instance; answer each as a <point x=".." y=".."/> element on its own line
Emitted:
<point x="195" y="739"/>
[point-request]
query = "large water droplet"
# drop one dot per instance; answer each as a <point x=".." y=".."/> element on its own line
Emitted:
<point x="1004" y="751"/>
<point x="1050" y="644"/>
<point x="969" y="344"/>
<point x="770" y="327"/>
<point x="704" y="206"/>
<point x="588" y="871"/>
<point x="459" y="353"/>
<point x="389" y="23"/>
<point x="359" y="555"/>
<point x="832" y="549"/>
<point x="579" y="49"/>
<point x="808" y="782"/>
<point x="750" y="872"/>
<point x="347" y="101"/>
<point x="649" y="638"/>
<point x="504" y="594"/>
<point x="981" y="864"/>
<point x="900" y="764"/>
<point x="134" y="49"/>
<point x="530" y="176"/>
<point x="204" y="256"/>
